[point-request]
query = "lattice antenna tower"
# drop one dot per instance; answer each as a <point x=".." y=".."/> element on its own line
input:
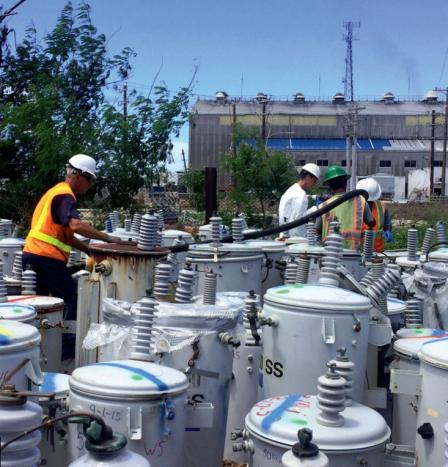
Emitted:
<point x="348" y="37"/>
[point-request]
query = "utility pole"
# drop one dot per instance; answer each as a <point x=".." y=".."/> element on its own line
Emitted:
<point x="431" y="159"/>
<point x="351" y="131"/>
<point x="263" y="121"/>
<point x="445" y="136"/>
<point x="233" y="128"/>
<point x="125" y="101"/>
<point x="185" y="162"/>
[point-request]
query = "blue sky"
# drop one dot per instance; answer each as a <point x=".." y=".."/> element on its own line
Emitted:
<point x="279" y="47"/>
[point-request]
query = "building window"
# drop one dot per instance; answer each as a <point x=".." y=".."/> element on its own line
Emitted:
<point x="410" y="163"/>
<point x="344" y="163"/>
<point x="302" y="162"/>
<point x="322" y="162"/>
<point x="438" y="164"/>
<point x="385" y="163"/>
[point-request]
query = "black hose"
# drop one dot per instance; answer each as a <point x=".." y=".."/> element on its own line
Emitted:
<point x="282" y="228"/>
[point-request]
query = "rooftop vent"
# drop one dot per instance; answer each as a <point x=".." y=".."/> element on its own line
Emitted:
<point x="388" y="98"/>
<point x="261" y="97"/>
<point x="299" y="98"/>
<point x="430" y="97"/>
<point x="339" y="98"/>
<point x="221" y="96"/>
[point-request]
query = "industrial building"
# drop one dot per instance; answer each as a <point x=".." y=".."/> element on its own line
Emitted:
<point x="392" y="137"/>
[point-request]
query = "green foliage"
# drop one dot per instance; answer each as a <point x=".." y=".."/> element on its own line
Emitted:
<point x="53" y="105"/>
<point x="260" y="176"/>
<point x="194" y="180"/>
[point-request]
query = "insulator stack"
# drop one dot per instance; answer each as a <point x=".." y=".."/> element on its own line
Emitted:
<point x="215" y="224"/>
<point x="344" y="367"/>
<point x="395" y="290"/>
<point x="335" y="225"/>
<point x="3" y="291"/>
<point x="210" y="285"/>
<point x="115" y="219"/>
<point x="378" y="269"/>
<point x="379" y="288"/>
<point x="29" y="282"/>
<point x="412" y="244"/>
<point x="148" y="238"/>
<point x="428" y="240"/>
<point x="311" y="233"/>
<point x="441" y="234"/>
<point x="72" y="257"/>
<point x="161" y="218"/>
<point x="331" y="398"/>
<point x="368" y="245"/>
<point x="251" y="305"/>
<point x="303" y="269"/>
<point x="237" y="229"/>
<point x="331" y="260"/>
<point x="162" y="280"/>
<point x="413" y="313"/>
<point x="367" y="279"/>
<point x="127" y="224"/>
<point x="185" y="285"/>
<point x="141" y="331"/>
<point x="136" y="221"/>
<point x="17" y="268"/>
<point x="291" y="271"/>
<point x="108" y="226"/>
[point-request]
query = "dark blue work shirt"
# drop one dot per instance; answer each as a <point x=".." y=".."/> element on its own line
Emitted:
<point x="63" y="209"/>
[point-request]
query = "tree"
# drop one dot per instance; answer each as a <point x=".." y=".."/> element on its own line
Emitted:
<point x="260" y="176"/>
<point x="194" y="180"/>
<point x="53" y="105"/>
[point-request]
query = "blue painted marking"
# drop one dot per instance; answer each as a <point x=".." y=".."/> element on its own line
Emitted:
<point x="438" y="332"/>
<point x="436" y="341"/>
<point x="49" y="384"/>
<point x="277" y="413"/>
<point x="4" y="340"/>
<point x="161" y="386"/>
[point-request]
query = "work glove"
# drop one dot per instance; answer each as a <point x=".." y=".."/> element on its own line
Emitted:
<point x="388" y="236"/>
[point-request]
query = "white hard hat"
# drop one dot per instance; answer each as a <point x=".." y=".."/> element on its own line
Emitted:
<point x="371" y="186"/>
<point x="313" y="169"/>
<point x="84" y="164"/>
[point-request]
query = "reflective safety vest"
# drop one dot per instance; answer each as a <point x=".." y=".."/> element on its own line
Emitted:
<point x="46" y="238"/>
<point x="350" y="215"/>
<point x="378" y="212"/>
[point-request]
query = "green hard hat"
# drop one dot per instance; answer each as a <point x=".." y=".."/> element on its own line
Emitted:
<point x="335" y="171"/>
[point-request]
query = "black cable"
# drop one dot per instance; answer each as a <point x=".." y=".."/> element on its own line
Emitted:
<point x="432" y="248"/>
<point x="282" y="228"/>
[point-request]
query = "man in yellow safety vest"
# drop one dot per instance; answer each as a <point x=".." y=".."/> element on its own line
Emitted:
<point x="352" y="214"/>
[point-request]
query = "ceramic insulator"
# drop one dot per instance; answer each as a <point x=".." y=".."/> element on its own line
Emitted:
<point x="185" y="285"/>
<point x="331" y="398"/>
<point x="441" y="234"/>
<point x="215" y="225"/>
<point x="344" y="367"/>
<point x="303" y="269"/>
<point x="379" y="287"/>
<point x="412" y="244"/>
<point x="136" y="221"/>
<point x="108" y="226"/>
<point x="395" y="290"/>
<point x="334" y="226"/>
<point x="368" y="245"/>
<point x="291" y="271"/>
<point x="311" y="233"/>
<point x="331" y="260"/>
<point x="147" y="239"/>
<point x="412" y="315"/>
<point x="378" y="269"/>
<point x="28" y="282"/>
<point x="210" y="285"/>
<point x="142" y="329"/>
<point x="127" y="224"/>
<point x="3" y="291"/>
<point x="237" y="229"/>
<point x="367" y="279"/>
<point x="115" y="219"/>
<point x="162" y="280"/>
<point x="17" y="267"/>
<point x="161" y="218"/>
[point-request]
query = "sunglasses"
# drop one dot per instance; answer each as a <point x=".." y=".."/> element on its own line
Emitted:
<point x="89" y="177"/>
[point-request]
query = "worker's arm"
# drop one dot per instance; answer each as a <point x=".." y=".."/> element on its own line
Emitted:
<point x="387" y="221"/>
<point x="86" y="230"/>
<point x="80" y="245"/>
<point x="368" y="218"/>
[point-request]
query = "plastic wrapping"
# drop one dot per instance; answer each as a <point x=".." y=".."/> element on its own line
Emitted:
<point x="177" y="325"/>
<point x="114" y="334"/>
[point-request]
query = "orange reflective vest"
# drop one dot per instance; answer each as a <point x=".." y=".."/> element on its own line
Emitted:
<point x="46" y="238"/>
<point x="378" y="212"/>
<point x="350" y="215"/>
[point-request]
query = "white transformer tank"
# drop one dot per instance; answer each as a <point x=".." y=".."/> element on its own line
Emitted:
<point x="432" y="412"/>
<point x="440" y="255"/>
<point x="18" y="312"/>
<point x="198" y="339"/>
<point x="169" y="238"/>
<point x="405" y="406"/>
<point x="144" y="401"/>
<point x="16" y="416"/>
<point x="395" y="312"/>
<point x="50" y="313"/>
<point x="19" y="341"/>
<point x="8" y="249"/>
<point x="54" y="455"/>
<point x="239" y="266"/>
<point x="351" y="259"/>
<point x="272" y="424"/>
<point x="123" y="458"/>
<point x="307" y="324"/>
<point x="273" y="252"/>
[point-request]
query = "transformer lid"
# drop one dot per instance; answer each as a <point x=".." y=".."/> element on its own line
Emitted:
<point x="17" y="312"/>
<point x="55" y="382"/>
<point x="276" y="420"/>
<point x="395" y="306"/>
<point x="319" y="298"/>
<point x="129" y="379"/>
<point x="404" y="333"/>
<point x="173" y="234"/>
<point x="15" y="336"/>
<point x="266" y="245"/>
<point x="435" y="353"/>
<point x="435" y="269"/>
<point x="439" y="255"/>
<point x="208" y="249"/>
<point x="11" y="241"/>
<point x="411" y="346"/>
<point x="41" y="303"/>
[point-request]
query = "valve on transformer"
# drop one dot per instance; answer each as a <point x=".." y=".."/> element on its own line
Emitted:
<point x="104" y="268"/>
<point x="271" y="321"/>
<point x="228" y="339"/>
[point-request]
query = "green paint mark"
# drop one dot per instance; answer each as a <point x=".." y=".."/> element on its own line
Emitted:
<point x="282" y="291"/>
<point x="17" y="310"/>
<point x="418" y="332"/>
<point x="137" y="377"/>
<point x="298" y="421"/>
<point x="298" y="286"/>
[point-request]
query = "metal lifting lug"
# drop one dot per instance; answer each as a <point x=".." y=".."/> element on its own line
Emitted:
<point x="246" y="446"/>
<point x="270" y="321"/>
<point x="357" y="325"/>
<point x="236" y="434"/>
<point x="104" y="268"/>
<point x="228" y="339"/>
